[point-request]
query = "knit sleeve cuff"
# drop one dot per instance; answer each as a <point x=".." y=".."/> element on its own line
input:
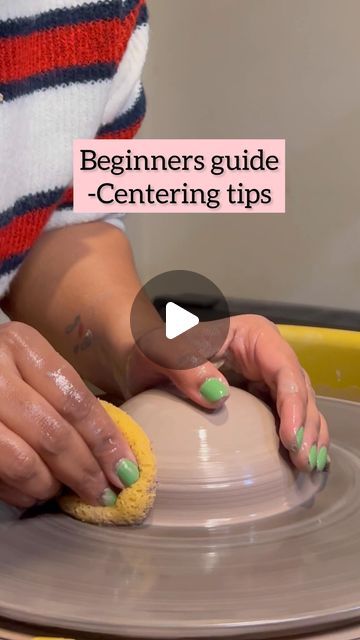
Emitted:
<point x="65" y="217"/>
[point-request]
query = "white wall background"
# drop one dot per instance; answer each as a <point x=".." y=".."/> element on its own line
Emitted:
<point x="262" y="68"/>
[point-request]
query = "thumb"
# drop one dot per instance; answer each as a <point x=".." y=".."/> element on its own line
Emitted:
<point x="152" y="361"/>
<point x="204" y="385"/>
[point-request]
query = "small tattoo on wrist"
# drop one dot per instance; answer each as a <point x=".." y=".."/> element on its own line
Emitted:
<point x="70" y="327"/>
<point x="84" y="337"/>
<point x="85" y="343"/>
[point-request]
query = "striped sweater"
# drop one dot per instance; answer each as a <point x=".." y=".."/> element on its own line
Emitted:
<point x="68" y="69"/>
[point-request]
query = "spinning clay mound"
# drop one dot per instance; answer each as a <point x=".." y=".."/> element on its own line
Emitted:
<point x="214" y="468"/>
<point x="217" y="467"/>
<point x="133" y="503"/>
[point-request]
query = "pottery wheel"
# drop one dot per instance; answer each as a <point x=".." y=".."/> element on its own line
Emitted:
<point x="286" y="560"/>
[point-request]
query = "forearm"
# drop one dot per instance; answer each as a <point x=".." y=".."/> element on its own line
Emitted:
<point x="77" y="287"/>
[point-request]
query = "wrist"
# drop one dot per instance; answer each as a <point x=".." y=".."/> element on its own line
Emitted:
<point x="114" y="355"/>
<point x="98" y="346"/>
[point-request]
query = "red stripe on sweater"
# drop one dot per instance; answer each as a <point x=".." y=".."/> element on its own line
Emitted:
<point x="62" y="47"/>
<point x="22" y="232"/>
<point x="67" y="198"/>
<point x="122" y="134"/>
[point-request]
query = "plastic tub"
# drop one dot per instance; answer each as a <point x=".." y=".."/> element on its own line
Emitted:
<point x="330" y="356"/>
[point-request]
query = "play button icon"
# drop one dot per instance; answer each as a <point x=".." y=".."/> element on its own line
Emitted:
<point x="180" y="319"/>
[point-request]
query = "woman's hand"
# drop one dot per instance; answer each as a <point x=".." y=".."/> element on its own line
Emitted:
<point x="254" y="349"/>
<point x="53" y="431"/>
<point x="68" y="289"/>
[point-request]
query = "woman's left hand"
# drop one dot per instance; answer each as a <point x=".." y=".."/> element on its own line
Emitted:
<point x="254" y="349"/>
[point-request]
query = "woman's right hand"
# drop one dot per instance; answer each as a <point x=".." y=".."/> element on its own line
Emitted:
<point x="53" y="431"/>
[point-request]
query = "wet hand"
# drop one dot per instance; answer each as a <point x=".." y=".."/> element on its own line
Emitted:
<point x="53" y="431"/>
<point x="254" y="349"/>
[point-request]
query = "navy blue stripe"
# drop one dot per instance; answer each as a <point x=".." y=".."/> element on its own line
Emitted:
<point x="9" y="264"/>
<point x="62" y="207"/>
<point x="143" y="17"/>
<point x="127" y="119"/>
<point x="29" y="203"/>
<point x="128" y="6"/>
<point x="70" y="75"/>
<point x="106" y="10"/>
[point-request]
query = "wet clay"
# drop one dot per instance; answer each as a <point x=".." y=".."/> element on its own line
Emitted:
<point x="210" y="562"/>
<point x="218" y="468"/>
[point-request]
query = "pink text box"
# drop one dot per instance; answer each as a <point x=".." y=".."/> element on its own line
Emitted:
<point x="179" y="176"/>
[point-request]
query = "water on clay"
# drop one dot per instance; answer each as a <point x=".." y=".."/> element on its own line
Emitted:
<point x="238" y="544"/>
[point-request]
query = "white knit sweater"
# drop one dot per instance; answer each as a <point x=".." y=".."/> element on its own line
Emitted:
<point x="68" y="69"/>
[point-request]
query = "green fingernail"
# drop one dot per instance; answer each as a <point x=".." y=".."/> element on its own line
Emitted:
<point x="128" y="472"/>
<point x="214" y="390"/>
<point x="108" y="498"/>
<point x="300" y="437"/>
<point x="322" y="459"/>
<point x="313" y="457"/>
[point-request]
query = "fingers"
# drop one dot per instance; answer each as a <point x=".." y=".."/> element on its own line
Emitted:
<point x="91" y="424"/>
<point x="303" y="430"/>
<point x="15" y="497"/>
<point x="254" y="348"/>
<point x="22" y="469"/>
<point x="291" y="396"/>
<point x="323" y="459"/>
<point x="57" y="444"/>
<point x="261" y="354"/>
<point x="311" y="451"/>
<point x="88" y="444"/>
<point x="204" y="385"/>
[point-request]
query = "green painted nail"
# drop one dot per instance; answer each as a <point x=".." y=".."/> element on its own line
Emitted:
<point x="322" y="459"/>
<point x="300" y="437"/>
<point x="313" y="457"/>
<point x="128" y="472"/>
<point x="108" y="498"/>
<point x="214" y="390"/>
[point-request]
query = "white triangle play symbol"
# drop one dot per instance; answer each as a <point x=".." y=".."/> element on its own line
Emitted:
<point x="178" y="320"/>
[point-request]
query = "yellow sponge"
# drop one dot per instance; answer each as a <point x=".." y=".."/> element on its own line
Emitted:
<point x="133" y="503"/>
